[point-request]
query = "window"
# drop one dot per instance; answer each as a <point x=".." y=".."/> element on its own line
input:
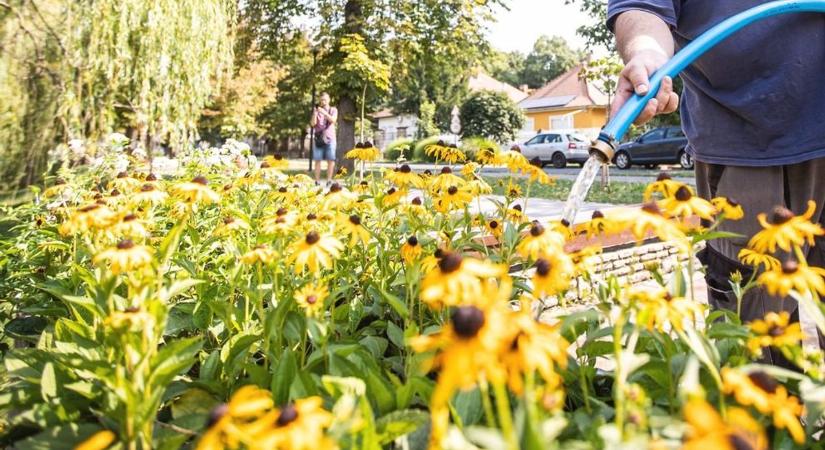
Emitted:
<point x="654" y="135"/>
<point x="577" y="138"/>
<point x="675" y="133"/>
<point x="554" y="139"/>
<point x="401" y="132"/>
<point x="536" y="140"/>
<point x="562" y="123"/>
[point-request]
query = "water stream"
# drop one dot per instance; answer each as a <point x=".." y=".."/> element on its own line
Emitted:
<point x="580" y="188"/>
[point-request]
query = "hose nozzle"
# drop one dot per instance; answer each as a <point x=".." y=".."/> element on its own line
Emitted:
<point x="603" y="149"/>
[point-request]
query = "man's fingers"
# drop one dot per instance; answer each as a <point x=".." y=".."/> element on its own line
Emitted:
<point x="648" y="113"/>
<point x="672" y="103"/>
<point x="638" y="77"/>
<point x="663" y="96"/>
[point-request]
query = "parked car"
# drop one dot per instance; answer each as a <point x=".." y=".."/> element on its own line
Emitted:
<point x="557" y="149"/>
<point x="664" y="145"/>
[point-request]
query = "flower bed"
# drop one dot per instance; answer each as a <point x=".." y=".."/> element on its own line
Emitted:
<point x="221" y="307"/>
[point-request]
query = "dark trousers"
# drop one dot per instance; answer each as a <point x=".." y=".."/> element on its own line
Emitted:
<point x="758" y="190"/>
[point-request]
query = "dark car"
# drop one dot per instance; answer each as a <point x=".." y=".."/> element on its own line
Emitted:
<point x="659" y="146"/>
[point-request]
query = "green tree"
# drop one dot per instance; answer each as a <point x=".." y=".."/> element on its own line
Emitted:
<point x="426" y="120"/>
<point x="491" y="115"/>
<point x="550" y="57"/>
<point x="595" y="33"/>
<point x="505" y="66"/>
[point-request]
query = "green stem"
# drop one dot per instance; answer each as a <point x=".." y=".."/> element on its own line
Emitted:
<point x="618" y="388"/>
<point x="489" y="415"/>
<point x="505" y="416"/>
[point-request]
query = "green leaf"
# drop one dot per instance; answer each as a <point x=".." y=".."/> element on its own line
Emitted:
<point x="395" y="303"/>
<point x="64" y="437"/>
<point x="283" y="377"/>
<point x="395" y="334"/>
<point x="173" y="359"/>
<point x="400" y="423"/>
<point x="468" y="406"/>
<point x="193" y="401"/>
<point x="48" y="382"/>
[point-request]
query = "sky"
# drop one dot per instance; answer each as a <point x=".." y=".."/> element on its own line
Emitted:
<point x="526" y="20"/>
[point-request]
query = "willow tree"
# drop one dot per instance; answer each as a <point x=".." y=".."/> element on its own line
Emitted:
<point x="137" y="66"/>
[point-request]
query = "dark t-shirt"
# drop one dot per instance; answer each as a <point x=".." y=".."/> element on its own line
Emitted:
<point x="757" y="98"/>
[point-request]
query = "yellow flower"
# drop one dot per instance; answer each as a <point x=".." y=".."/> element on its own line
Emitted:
<point x="540" y="243"/>
<point x="276" y="162"/>
<point x="664" y="185"/>
<point x="90" y="217"/>
<point x="311" y="299"/>
<point x="411" y="250"/>
<point x="649" y="220"/>
<point x="58" y="188"/>
<point x="445" y="180"/>
<point x="352" y="226"/>
<point x="393" y="197"/>
<point x="552" y="275"/>
<point x="785" y="230"/>
<point x="362" y="187"/>
<point x="125" y="257"/>
<point x="283" y="195"/>
<point x="149" y="194"/>
<point x="756" y="259"/>
<point x="315" y="252"/>
<point x="297" y="426"/>
<point x="801" y="278"/>
<point x="598" y="225"/>
<point x="404" y="177"/>
<point x="513" y="159"/>
<point x="130" y="226"/>
<point x="281" y="223"/>
<point x="478" y="187"/>
<point x="231" y="225"/>
<point x="494" y="226"/>
<point x="657" y="309"/>
<point x="229" y="422"/>
<point x="707" y="429"/>
<point x="260" y="253"/>
<point x="124" y="183"/>
<point x="99" y="441"/>
<point x="774" y="331"/>
<point x="764" y="393"/>
<point x="487" y="156"/>
<point x="537" y="174"/>
<point x="446" y="153"/>
<point x="452" y="198"/>
<point x="512" y="190"/>
<point x="457" y="280"/>
<point x="728" y="207"/>
<point x="534" y="347"/>
<point x="196" y="191"/>
<point x="364" y="152"/>
<point x="469" y="169"/>
<point x="337" y="198"/>
<point x="685" y="204"/>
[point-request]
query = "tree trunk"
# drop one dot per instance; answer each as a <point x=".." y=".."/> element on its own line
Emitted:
<point x="346" y="132"/>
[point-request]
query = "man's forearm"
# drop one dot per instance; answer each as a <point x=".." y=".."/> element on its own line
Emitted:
<point x="639" y="31"/>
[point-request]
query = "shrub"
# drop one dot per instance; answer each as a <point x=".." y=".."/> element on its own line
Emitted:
<point x="491" y="114"/>
<point x="394" y="149"/>
<point x="471" y="145"/>
<point x="418" y="151"/>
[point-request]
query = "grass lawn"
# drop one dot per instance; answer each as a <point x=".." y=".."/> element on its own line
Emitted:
<point x="616" y="193"/>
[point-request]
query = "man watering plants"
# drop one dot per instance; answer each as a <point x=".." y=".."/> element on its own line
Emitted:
<point x="752" y="110"/>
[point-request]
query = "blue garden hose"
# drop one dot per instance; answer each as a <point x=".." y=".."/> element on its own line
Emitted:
<point x="618" y="125"/>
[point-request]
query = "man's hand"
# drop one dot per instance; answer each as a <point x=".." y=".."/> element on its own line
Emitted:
<point x="646" y="44"/>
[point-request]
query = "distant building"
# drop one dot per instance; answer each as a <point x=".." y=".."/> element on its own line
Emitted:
<point x="566" y="103"/>
<point x="392" y="126"/>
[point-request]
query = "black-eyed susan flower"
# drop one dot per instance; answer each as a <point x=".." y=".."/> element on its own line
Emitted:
<point x="353" y="227"/>
<point x="99" y="441"/>
<point x="338" y="198"/>
<point x="393" y="197"/>
<point x="300" y="425"/>
<point x="469" y="169"/>
<point x="149" y="194"/>
<point x="513" y="159"/>
<point x="276" y="162"/>
<point x="130" y="226"/>
<point x="597" y="225"/>
<point x="445" y="180"/>
<point x="708" y="430"/>
<point x="281" y="222"/>
<point x="231" y="225"/>
<point x="454" y="197"/>
<point x="125" y="257"/>
<point x="516" y="214"/>
<point x="649" y="220"/>
<point x="683" y="204"/>
<point x="768" y="396"/>
<point x="123" y="182"/>
<point x="311" y="299"/>
<point x="415" y="208"/>
<point x="404" y="177"/>
<point x="512" y="190"/>
<point x="363" y="151"/>
<point x="533" y="347"/>
<point x="536" y="174"/>
<point x="196" y="191"/>
<point x="657" y="309"/>
<point x="59" y="187"/>
<point x="315" y="251"/>
<point x="728" y="207"/>
<point x="362" y="188"/>
<point x="756" y="259"/>
<point x="552" y="275"/>
<point x="775" y="330"/>
<point x="283" y="195"/>
<point x="487" y="156"/>
<point x="411" y="250"/>
<point x="785" y="230"/>
<point x="228" y="422"/>
<point x="494" y="226"/>
<point x="457" y="280"/>
<point x="792" y="275"/>
<point x="261" y="253"/>
<point x="89" y="217"/>
<point x="478" y="186"/>
<point x="540" y="242"/>
<point x="664" y="185"/>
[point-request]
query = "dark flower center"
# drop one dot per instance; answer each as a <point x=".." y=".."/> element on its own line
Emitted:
<point x="122" y="175"/>
<point x="216" y="414"/>
<point x="764" y="381"/>
<point x="335" y="187"/>
<point x="281" y="212"/>
<point x="598" y="215"/>
<point x="364" y="183"/>
<point x="312" y="299"/>
<point x="428" y="172"/>
<point x="151" y="177"/>
<point x="412" y="241"/>
<point x="125" y="244"/>
<point x="517" y="208"/>
<point x="227" y="186"/>
<point x="368" y="144"/>
<point x="282" y="190"/>
<point x="114" y="193"/>
<point x="565" y="223"/>
<point x="536" y="230"/>
<point x="683" y="194"/>
<point x="228" y="220"/>
<point x="280" y="220"/>
<point x="355" y="220"/>
<point x="776" y="331"/>
<point x="416" y="201"/>
<point x="288" y="415"/>
<point x="663" y="176"/>
<point x="129" y="217"/>
<point x="59" y="182"/>
<point x="260" y="247"/>
<point x="781" y="215"/>
<point x="733" y="202"/>
<point x="446" y="170"/>
<point x="278" y="158"/>
<point x="441" y="143"/>
<point x="790" y="267"/>
<point x="405" y="169"/>
<point x="100" y="201"/>
<point x="542" y="267"/>
<point x="739" y="443"/>
<point x="264" y="165"/>
<point x="438" y="253"/>
<point x="200" y="179"/>
<point x="359" y="145"/>
<point x="652" y="208"/>
<point x="536" y="162"/>
<point x="313" y="237"/>
<point x="311" y="216"/>
<point x="391" y="191"/>
<point x="132" y="309"/>
<point x="493" y="224"/>
<point x="467" y="321"/>
<point x="450" y="262"/>
<point x="452" y="190"/>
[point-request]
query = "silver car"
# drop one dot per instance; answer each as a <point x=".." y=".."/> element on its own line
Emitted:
<point x="557" y="149"/>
